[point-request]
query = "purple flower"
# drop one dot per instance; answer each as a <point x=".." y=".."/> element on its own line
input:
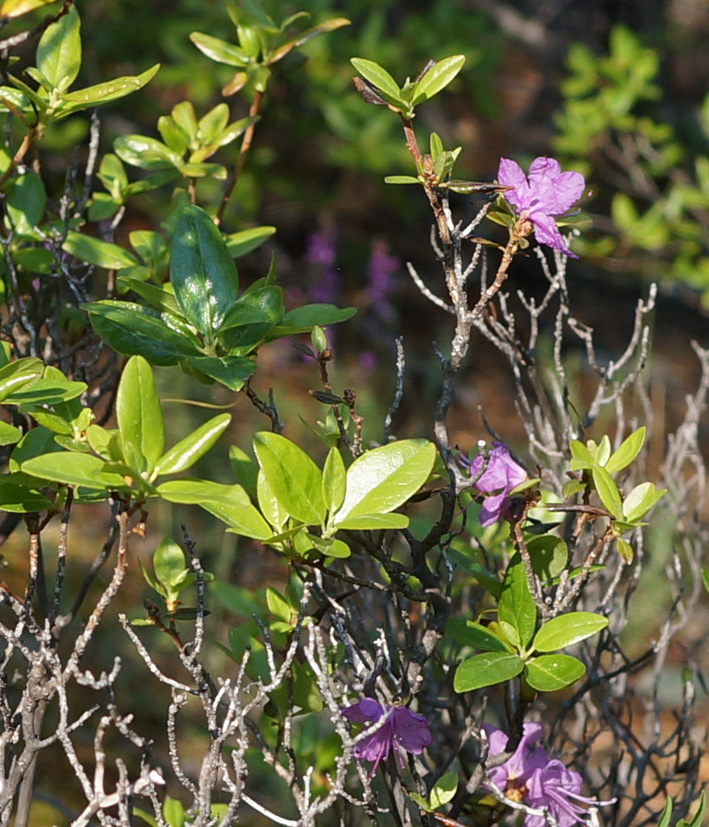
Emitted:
<point x="402" y="730"/>
<point x="500" y="476"/>
<point x="530" y="777"/>
<point x="321" y="254"/>
<point x="545" y="193"/>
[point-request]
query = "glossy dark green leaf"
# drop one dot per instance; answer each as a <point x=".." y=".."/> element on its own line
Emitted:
<point x="486" y="669"/>
<point x="202" y="271"/>
<point x="383" y="479"/>
<point x="251" y="318"/>
<point x="26" y="203"/>
<point x="45" y="391"/>
<point x="230" y="371"/>
<point x="138" y="412"/>
<point x="59" y="51"/>
<point x="516" y="605"/>
<point x="567" y="629"/>
<point x="131" y="329"/>
<point x="548" y="673"/>
<point x="549" y="556"/>
<point x="303" y="319"/>
<point x="193" y="447"/>
<point x="293" y="477"/>
<point x="475" y="635"/>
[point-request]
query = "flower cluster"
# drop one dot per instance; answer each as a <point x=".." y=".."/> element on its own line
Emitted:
<point x="529" y="776"/>
<point x="500" y="475"/>
<point x="545" y="193"/>
<point x="402" y="730"/>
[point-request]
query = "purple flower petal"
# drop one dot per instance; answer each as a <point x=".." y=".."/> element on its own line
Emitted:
<point x="411" y="730"/>
<point x="364" y="711"/>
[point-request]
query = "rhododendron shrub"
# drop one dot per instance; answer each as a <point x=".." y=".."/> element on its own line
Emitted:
<point x="429" y="629"/>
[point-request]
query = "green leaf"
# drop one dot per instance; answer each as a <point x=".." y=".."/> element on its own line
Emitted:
<point x="70" y="468"/>
<point x="698" y="817"/>
<point x="666" y="814"/>
<point x="251" y="318"/>
<point x="45" y="391"/>
<point x="132" y="329"/>
<point x="625" y="550"/>
<point x="626" y="451"/>
<point x="444" y="790"/>
<point x="230" y="371"/>
<point x="230" y="503"/>
<point x="486" y="669"/>
<point x="437" y="78"/>
<point x="138" y="412"/>
<point x="9" y="434"/>
<point x="640" y="500"/>
<point x="169" y="564"/>
<point x="194" y="446"/>
<point x="105" y="92"/>
<point x="269" y="505"/>
<point x="303" y="319"/>
<point x="16" y="375"/>
<point x="333" y="480"/>
<point x="26" y="203"/>
<point x="95" y="251"/>
<point x="607" y="491"/>
<point x="567" y="629"/>
<point x="383" y="479"/>
<point x="549" y="556"/>
<point x="220" y="50"/>
<point x="374" y="522"/>
<point x="401" y="179"/>
<point x="329" y="547"/>
<point x="475" y="635"/>
<point x="293" y="477"/>
<point x="377" y="76"/>
<point x="278" y="606"/>
<point x="581" y="456"/>
<point x="202" y="271"/>
<point x="547" y="673"/>
<point x="59" y="51"/>
<point x="19" y="495"/>
<point x="243" y="242"/>
<point x="145" y="152"/>
<point x="516" y="605"/>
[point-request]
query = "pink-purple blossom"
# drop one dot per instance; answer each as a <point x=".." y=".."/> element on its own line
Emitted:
<point x="403" y="731"/>
<point x="529" y="776"/>
<point x="540" y="196"/>
<point x="500" y="475"/>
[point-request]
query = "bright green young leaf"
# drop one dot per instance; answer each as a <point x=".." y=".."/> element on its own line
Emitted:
<point x="105" y="92"/>
<point x="698" y="817"/>
<point x="486" y="669"/>
<point x="580" y="455"/>
<point x="626" y="451"/>
<point x="230" y="503"/>
<point x="401" y="179"/>
<point x="98" y="252"/>
<point x="18" y="494"/>
<point x="271" y="509"/>
<point x="220" y="51"/>
<point x="607" y="491"/>
<point x="567" y="629"/>
<point x="328" y="546"/>
<point x="516" y="605"/>
<point x="45" y="391"/>
<point x="666" y="814"/>
<point x="436" y="78"/>
<point x="131" y="329"/>
<point x="293" y="477"/>
<point x="16" y="8"/>
<point x="145" y="152"/>
<point x="243" y="242"/>
<point x="377" y="76"/>
<point x="383" y="479"/>
<point x="444" y="790"/>
<point x="70" y="468"/>
<point x="625" y="550"/>
<point x="18" y="374"/>
<point x="169" y="564"/>
<point x="278" y="606"/>
<point x="193" y="447"/>
<point x="9" y="434"/>
<point x="475" y="635"/>
<point x="59" y="51"/>
<point x="303" y="319"/>
<point x="202" y="271"/>
<point x="547" y="673"/>
<point x="374" y="522"/>
<point x="333" y="480"/>
<point x="245" y="470"/>
<point x="640" y="500"/>
<point x="138" y="412"/>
